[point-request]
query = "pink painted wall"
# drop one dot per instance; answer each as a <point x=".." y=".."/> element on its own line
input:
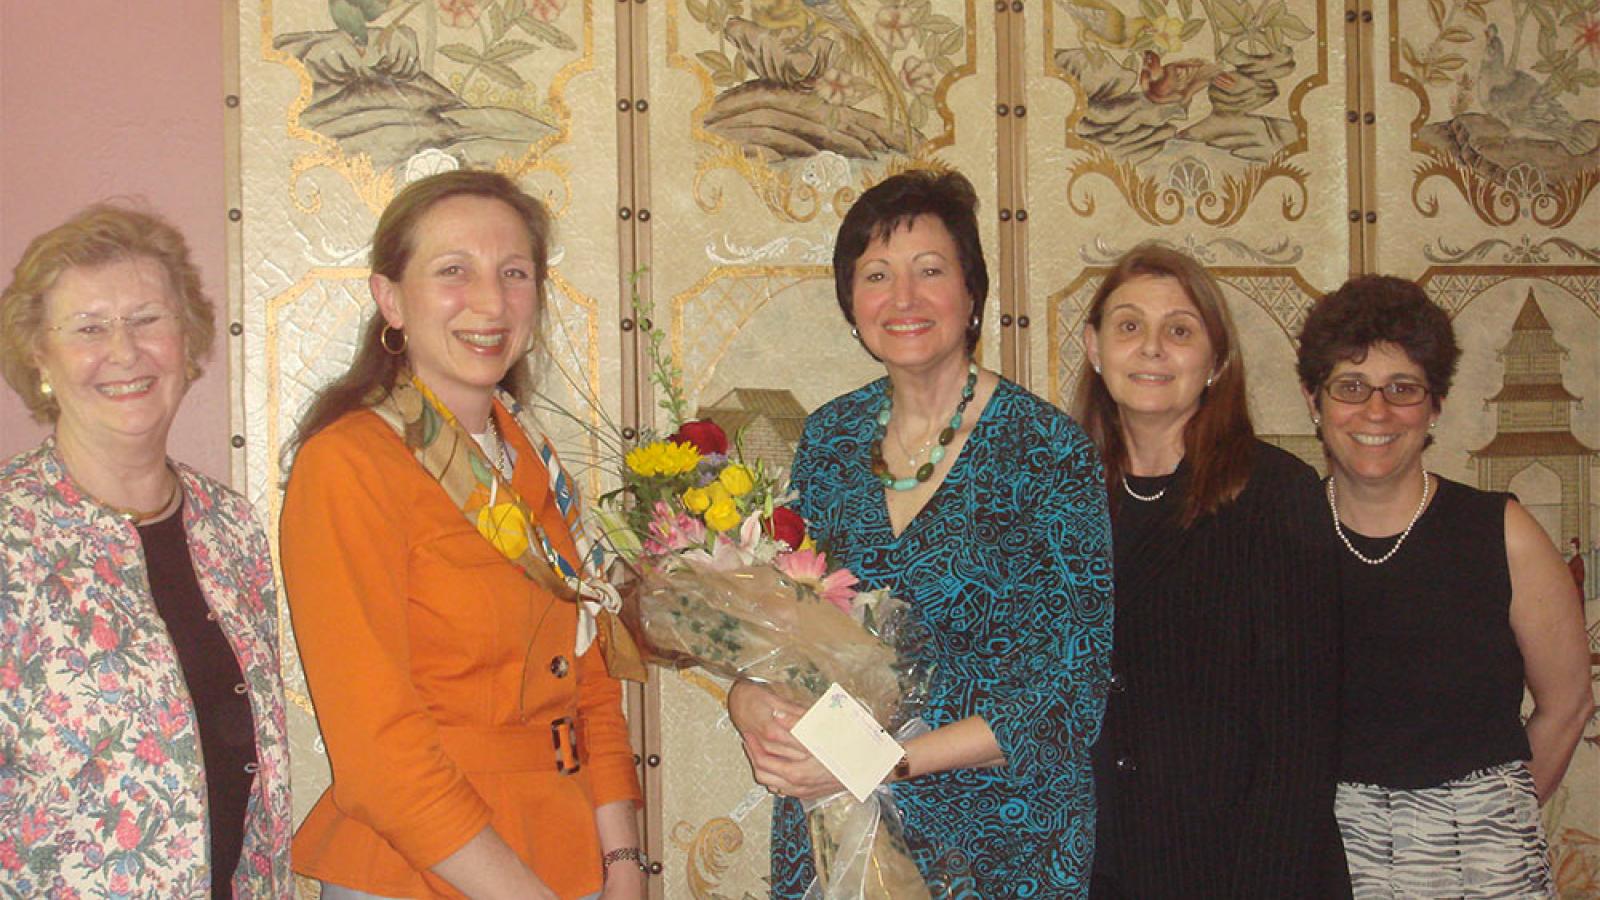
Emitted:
<point x="102" y="99"/>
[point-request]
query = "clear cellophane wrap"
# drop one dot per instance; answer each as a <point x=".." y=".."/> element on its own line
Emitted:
<point x="753" y="622"/>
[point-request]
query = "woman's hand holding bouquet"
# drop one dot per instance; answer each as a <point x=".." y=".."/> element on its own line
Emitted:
<point x="729" y="581"/>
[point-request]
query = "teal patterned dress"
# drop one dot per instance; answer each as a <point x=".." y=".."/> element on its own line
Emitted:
<point x="1008" y="567"/>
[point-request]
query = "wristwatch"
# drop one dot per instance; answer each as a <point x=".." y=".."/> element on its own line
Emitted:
<point x="621" y="853"/>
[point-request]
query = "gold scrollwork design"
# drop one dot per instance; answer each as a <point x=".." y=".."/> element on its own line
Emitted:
<point x="1165" y="204"/>
<point x="1551" y="203"/>
<point x="779" y="191"/>
<point x="709" y="849"/>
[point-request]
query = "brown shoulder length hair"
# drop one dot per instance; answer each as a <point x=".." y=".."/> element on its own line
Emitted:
<point x="1219" y="439"/>
<point x="373" y="371"/>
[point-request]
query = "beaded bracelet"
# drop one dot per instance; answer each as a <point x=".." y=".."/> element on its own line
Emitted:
<point x="622" y="853"/>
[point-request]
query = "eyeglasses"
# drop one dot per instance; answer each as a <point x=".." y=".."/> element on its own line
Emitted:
<point x="91" y="330"/>
<point x="1395" y="393"/>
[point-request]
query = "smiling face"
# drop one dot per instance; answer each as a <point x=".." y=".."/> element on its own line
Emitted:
<point x="468" y="299"/>
<point x="122" y="383"/>
<point x="1375" y="443"/>
<point x="1152" y="350"/>
<point x="909" y="298"/>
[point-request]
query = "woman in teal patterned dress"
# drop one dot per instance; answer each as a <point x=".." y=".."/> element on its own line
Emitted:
<point x="984" y="507"/>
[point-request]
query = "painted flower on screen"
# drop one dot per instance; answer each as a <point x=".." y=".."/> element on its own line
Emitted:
<point x="919" y="75"/>
<point x="459" y="13"/>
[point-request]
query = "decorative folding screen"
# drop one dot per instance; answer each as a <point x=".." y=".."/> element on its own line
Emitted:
<point x="700" y="154"/>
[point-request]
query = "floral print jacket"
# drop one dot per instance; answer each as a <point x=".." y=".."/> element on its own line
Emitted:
<point x="102" y="783"/>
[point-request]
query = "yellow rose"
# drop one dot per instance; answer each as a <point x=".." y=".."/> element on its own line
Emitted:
<point x="505" y="527"/>
<point x="697" y="500"/>
<point x="737" y="480"/>
<point x="723" y="515"/>
<point x="718" y="493"/>
<point x="662" y="458"/>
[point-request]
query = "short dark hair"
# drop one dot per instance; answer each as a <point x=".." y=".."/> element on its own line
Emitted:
<point x="894" y="203"/>
<point x="1377" y="309"/>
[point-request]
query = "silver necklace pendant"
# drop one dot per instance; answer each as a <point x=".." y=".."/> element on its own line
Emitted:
<point x="1338" y="527"/>
<point x="1147" y="498"/>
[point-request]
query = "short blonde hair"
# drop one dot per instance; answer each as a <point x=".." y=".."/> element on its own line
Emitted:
<point x="101" y="234"/>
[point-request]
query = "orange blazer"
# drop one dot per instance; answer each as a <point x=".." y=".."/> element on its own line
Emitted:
<point x="439" y="672"/>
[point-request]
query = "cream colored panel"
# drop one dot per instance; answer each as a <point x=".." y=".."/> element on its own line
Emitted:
<point x="1489" y="143"/>
<point x="344" y="103"/>
<point x="767" y="119"/>
<point x="1216" y="127"/>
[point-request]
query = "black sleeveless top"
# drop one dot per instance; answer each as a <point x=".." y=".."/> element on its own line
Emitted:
<point x="1432" y="674"/>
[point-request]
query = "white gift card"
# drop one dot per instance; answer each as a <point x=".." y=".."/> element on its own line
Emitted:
<point x="842" y="735"/>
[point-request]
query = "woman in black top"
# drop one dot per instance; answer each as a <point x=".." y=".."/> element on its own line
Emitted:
<point x="1453" y="599"/>
<point x="1215" y="768"/>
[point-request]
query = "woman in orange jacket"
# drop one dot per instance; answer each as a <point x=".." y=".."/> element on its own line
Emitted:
<point x="476" y="736"/>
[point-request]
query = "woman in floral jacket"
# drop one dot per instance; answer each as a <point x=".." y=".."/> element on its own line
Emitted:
<point x="142" y="739"/>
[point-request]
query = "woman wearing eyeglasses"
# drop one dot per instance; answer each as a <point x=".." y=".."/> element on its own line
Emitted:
<point x="142" y="742"/>
<point x="1453" y="599"/>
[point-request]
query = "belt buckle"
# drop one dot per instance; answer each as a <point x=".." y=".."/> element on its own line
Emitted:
<point x="567" y="762"/>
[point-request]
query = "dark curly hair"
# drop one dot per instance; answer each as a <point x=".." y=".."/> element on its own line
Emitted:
<point x="894" y="203"/>
<point x="1377" y="309"/>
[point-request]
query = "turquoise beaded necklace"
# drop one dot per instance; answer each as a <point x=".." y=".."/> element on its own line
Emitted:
<point x="880" y="468"/>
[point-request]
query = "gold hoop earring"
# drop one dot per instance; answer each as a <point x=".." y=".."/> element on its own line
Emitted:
<point x="383" y="340"/>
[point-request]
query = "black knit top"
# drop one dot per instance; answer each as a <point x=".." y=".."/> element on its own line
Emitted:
<point x="1433" y="677"/>
<point x="216" y="686"/>
<point x="1215" y="769"/>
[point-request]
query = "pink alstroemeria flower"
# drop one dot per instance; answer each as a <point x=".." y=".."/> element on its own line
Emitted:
<point x="810" y="568"/>
<point x="672" y="532"/>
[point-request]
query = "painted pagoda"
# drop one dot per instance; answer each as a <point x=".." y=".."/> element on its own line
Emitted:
<point x="1534" y="422"/>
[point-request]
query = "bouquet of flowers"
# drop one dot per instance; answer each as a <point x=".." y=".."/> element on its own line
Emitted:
<point x="730" y="582"/>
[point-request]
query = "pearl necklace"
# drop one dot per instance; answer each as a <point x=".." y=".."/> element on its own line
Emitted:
<point x="880" y="468"/>
<point x="1333" y="506"/>
<point x="1138" y="496"/>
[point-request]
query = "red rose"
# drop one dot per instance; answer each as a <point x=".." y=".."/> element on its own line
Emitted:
<point x="787" y="526"/>
<point x="706" y="436"/>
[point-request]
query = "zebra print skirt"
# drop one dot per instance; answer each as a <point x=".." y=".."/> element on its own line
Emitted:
<point x="1477" y="836"/>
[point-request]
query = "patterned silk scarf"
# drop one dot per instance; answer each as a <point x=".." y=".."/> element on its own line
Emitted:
<point x="485" y="496"/>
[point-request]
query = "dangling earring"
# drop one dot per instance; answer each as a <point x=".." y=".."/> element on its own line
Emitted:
<point x="383" y="340"/>
<point x="974" y="323"/>
<point x="855" y="333"/>
<point x="45" y="388"/>
<point x="1210" y="380"/>
<point x="1316" y="421"/>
